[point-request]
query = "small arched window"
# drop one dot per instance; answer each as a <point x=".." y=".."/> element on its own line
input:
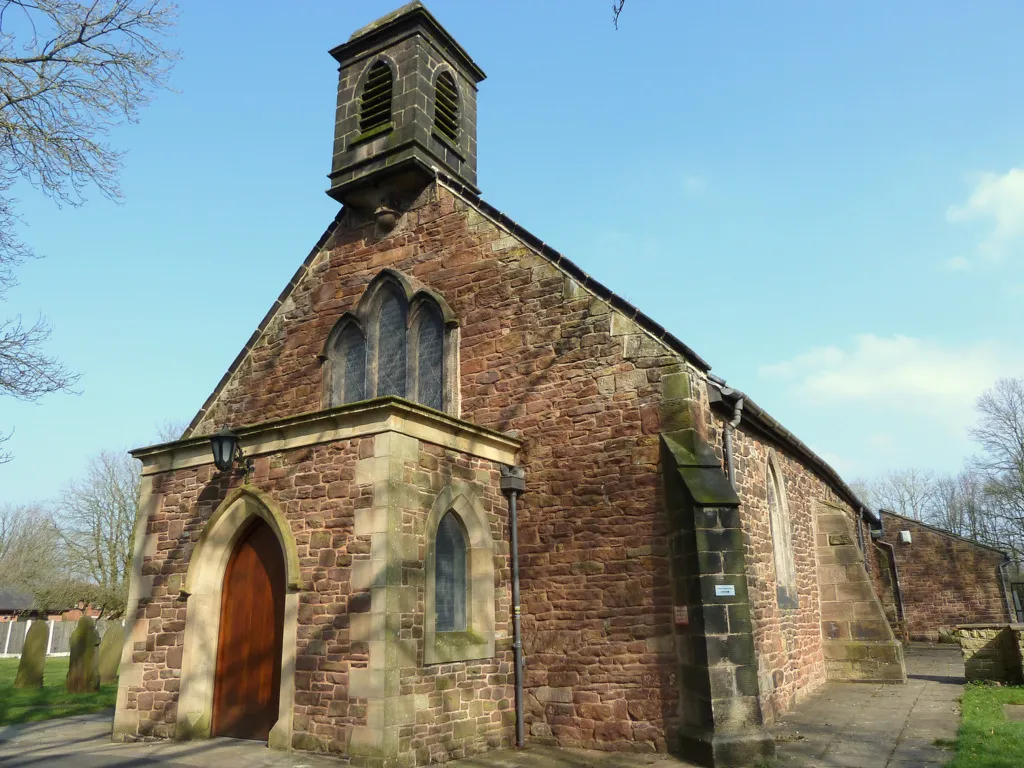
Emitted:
<point x="782" y="548"/>
<point x="391" y="357"/>
<point x="348" y="366"/>
<point x="450" y="575"/>
<point x="429" y="332"/>
<point x="375" y="105"/>
<point x="446" y="107"/>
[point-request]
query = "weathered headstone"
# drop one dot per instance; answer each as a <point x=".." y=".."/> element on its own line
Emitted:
<point x="83" y="669"/>
<point x="33" y="657"/>
<point x="110" y="653"/>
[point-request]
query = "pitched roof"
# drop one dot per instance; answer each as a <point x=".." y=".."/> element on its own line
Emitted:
<point x="11" y="601"/>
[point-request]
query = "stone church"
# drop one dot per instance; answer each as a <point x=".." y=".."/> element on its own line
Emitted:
<point x="443" y="429"/>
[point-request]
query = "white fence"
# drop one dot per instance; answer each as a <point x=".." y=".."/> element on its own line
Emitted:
<point x="58" y="643"/>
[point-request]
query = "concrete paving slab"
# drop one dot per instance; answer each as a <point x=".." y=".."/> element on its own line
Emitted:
<point x="878" y="726"/>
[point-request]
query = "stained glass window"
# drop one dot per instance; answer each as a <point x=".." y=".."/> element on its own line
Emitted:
<point x="429" y="363"/>
<point x="450" y="576"/>
<point x="391" y="328"/>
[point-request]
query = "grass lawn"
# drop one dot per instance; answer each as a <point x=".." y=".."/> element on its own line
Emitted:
<point x="986" y="738"/>
<point x="50" y="701"/>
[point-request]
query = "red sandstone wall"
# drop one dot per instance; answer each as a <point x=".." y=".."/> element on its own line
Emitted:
<point x="540" y="356"/>
<point x="945" y="580"/>
<point x="788" y="642"/>
<point x="315" y="490"/>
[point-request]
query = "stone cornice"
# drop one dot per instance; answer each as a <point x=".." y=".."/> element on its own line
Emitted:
<point x="386" y="414"/>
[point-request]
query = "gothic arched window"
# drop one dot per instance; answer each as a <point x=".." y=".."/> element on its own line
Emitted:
<point x="347" y="355"/>
<point x="450" y="575"/>
<point x="375" y="104"/>
<point x="396" y="343"/>
<point x="429" y="335"/>
<point x="782" y="547"/>
<point x="391" y="343"/>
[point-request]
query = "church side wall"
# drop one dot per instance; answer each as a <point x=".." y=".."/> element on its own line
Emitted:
<point x="789" y="645"/>
<point x="944" y="580"/>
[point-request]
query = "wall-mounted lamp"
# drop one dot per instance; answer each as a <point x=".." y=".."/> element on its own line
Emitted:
<point x="226" y="450"/>
<point x="905" y="537"/>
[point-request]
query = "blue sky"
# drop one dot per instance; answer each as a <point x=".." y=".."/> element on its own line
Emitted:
<point x="824" y="200"/>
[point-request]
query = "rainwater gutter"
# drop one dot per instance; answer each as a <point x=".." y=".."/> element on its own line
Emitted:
<point x="513" y="483"/>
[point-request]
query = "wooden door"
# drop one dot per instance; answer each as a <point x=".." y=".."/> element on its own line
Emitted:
<point x="247" y="685"/>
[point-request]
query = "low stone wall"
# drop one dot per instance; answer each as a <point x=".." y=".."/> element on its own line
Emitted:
<point x="992" y="651"/>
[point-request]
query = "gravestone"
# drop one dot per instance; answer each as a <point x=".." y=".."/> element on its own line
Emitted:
<point x="110" y="653"/>
<point x="83" y="670"/>
<point x="33" y="657"/>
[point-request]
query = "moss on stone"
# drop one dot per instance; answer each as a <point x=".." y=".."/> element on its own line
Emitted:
<point x="33" y="657"/>
<point x="83" y="669"/>
<point x="110" y="654"/>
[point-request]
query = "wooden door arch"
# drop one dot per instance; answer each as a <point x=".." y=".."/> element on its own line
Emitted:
<point x="247" y="683"/>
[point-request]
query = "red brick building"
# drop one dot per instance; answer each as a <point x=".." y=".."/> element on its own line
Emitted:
<point x="688" y="568"/>
<point x="930" y="580"/>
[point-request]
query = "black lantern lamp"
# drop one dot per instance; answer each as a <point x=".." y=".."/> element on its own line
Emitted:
<point x="226" y="450"/>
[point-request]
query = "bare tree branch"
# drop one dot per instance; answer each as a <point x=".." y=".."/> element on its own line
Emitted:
<point x="69" y="73"/>
<point x="616" y="10"/>
<point x="95" y="523"/>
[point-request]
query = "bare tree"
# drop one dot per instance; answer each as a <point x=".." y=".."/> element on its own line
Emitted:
<point x="961" y="505"/>
<point x="70" y="71"/>
<point x="95" y="522"/>
<point x="1000" y="433"/>
<point x="170" y="430"/>
<point x="29" y="549"/>
<point x="907" y="492"/>
<point x="616" y="10"/>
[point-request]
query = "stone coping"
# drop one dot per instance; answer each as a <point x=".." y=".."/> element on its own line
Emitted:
<point x="999" y="625"/>
<point x="369" y="417"/>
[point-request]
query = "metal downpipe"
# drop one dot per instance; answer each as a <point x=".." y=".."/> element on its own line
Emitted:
<point x="900" y="608"/>
<point x="1007" y="594"/>
<point x="513" y="482"/>
<point x="737" y="415"/>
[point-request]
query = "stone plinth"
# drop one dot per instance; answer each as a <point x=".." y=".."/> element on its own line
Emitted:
<point x="992" y="651"/>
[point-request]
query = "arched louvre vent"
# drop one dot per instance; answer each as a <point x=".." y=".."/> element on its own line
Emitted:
<point x="446" y="108"/>
<point x="375" y="108"/>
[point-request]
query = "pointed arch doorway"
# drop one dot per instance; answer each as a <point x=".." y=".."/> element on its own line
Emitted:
<point x="246" y="693"/>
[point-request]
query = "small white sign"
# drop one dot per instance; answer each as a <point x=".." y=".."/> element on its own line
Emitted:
<point x="725" y="590"/>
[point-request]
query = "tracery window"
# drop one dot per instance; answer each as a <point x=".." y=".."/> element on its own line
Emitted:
<point x="391" y="345"/>
<point x="348" y="365"/>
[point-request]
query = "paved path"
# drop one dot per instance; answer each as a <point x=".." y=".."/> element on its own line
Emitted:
<point x="851" y="725"/>
<point x="843" y="725"/>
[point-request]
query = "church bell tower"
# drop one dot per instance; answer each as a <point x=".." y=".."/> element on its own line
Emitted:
<point x="406" y="106"/>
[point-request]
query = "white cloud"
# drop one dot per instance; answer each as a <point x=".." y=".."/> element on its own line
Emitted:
<point x="999" y="200"/>
<point x="900" y="372"/>
<point x="957" y="264"/>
